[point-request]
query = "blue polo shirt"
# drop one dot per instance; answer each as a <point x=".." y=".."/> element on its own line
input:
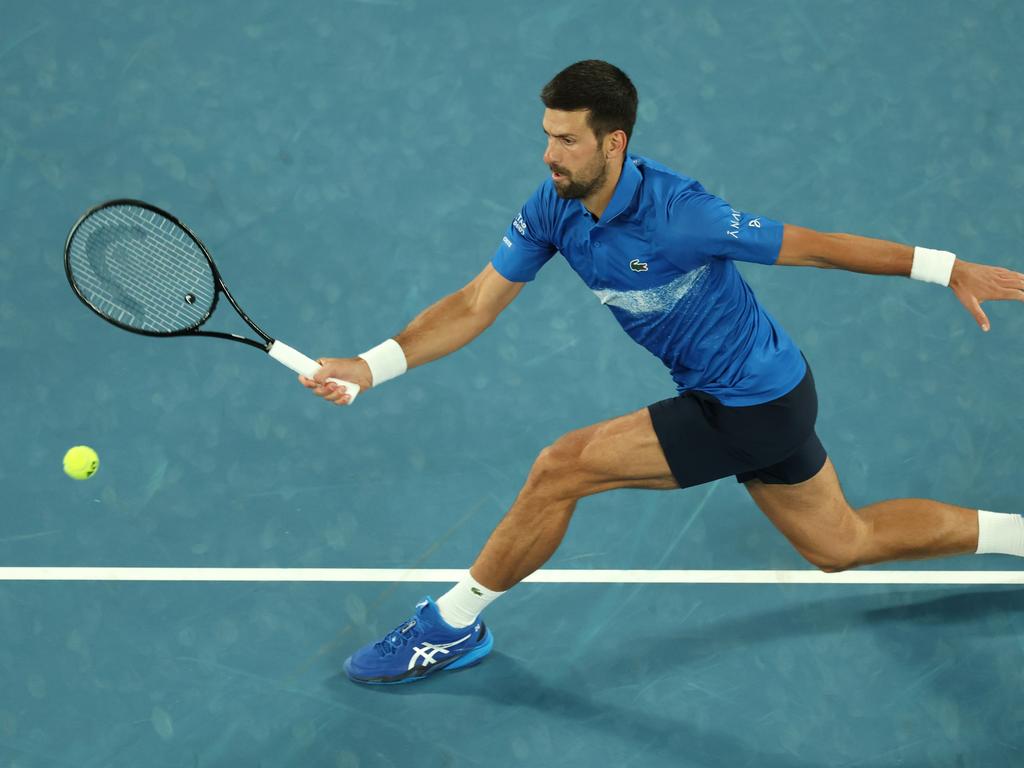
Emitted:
<point x="661" y="258"/>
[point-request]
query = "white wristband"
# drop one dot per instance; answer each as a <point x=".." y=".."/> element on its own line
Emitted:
<point x="932" y="266"/>
<point x="386" y="361"/>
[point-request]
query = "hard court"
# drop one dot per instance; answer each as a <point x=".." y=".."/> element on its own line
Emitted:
<point x="348" y="164"/>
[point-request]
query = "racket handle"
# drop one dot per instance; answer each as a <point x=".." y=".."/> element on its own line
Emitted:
<point x="306" y="366"/>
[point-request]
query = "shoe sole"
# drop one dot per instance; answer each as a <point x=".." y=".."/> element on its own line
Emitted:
<point x="466" y="661"/>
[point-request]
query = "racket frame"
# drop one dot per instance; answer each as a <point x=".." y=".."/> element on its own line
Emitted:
<point x="276" y="348"/>
<point x="218" y="282"/>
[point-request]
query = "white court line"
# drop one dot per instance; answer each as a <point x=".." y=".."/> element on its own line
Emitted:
<point x="543" y="576"/>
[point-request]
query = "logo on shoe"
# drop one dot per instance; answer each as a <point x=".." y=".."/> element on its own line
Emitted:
<point x="427" y="651"/>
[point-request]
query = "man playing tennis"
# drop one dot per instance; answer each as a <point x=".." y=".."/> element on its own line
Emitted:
<point x="658" y="250"/>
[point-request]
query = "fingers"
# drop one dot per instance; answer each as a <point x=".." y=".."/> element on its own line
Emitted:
<point x="1001" y="285"/>
<point x="337" y="394"/>
<point x="1001" y="289"/>
<point x="979" y="314"/>
<point x="1015" y="278"/>
<point x="320" y="385"/>
<point x="1012" y="287"/>
<point x="327" y="390"/>
<point x="321" y="375"/>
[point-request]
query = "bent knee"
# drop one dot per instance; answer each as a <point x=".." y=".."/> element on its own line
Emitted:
<point x="834" y="557"/>
<point x="557" y="470"/>
<point x="827" y="562"/>
<point x="830" y="565"/>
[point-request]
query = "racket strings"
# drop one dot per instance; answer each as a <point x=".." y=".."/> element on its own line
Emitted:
<point x="142" y="270"/>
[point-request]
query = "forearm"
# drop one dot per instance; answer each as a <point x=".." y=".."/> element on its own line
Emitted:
<point x="441" y="328"/>
<point x="852" y="253"/>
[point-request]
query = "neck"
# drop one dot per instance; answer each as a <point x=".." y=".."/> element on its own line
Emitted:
<point x="598" y="200"/>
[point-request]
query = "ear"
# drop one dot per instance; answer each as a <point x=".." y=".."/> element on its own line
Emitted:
<point x="615" y="144"/>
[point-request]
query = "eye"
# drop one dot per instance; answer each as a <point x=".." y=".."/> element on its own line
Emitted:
<point x="568" y="142"/>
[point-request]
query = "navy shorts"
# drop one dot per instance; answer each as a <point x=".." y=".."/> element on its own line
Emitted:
<point x="774" y="442"/>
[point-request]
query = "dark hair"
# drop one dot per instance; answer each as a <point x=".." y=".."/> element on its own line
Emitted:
<point x="596" y="85"/>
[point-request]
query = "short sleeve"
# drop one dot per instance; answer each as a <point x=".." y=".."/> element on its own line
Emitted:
<point x="527" y="245"/>
<point x="712" y="228"/>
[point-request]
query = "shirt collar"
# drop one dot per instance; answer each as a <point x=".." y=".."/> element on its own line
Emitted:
<point x="625" y="189"/>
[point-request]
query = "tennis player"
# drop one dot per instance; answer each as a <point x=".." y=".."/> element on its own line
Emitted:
<point x="659" y="251"/>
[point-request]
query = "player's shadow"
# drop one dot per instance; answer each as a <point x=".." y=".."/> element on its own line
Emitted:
<point x="963" y="608"/>
<point x="965" y="612"/>
<point x="973" y="613"/>
<point x="523" y="695"/>
<point x="989" y="614"/>
<point x="510" y="683"/>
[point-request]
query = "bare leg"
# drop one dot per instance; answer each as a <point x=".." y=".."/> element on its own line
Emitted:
<point x="620" y="453"/>
<point x="524" y="540"/>
<point x="915" y="529"/>
<point x="818" y="521"/>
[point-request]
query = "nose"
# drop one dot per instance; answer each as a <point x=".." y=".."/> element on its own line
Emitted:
<point x="549" y="154"/>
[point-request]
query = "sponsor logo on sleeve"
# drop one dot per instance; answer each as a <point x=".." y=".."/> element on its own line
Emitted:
<point x="506" y="241"/>
<point x="734" y="223"/>
<point x="520" y="224"/>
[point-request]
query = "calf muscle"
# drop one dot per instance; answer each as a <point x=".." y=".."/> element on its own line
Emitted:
<point x="818" y="521"/>
<point x="619" y="453"/>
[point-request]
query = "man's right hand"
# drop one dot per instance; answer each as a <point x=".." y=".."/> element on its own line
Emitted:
<point x="352" y="369"/>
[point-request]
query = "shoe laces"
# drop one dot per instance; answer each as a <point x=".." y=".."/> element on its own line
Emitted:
<point x="397" y="638"/>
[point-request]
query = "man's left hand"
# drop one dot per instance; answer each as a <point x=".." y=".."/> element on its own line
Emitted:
<point x="977" y="283"/>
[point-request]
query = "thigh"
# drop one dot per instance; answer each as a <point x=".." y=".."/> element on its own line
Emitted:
<point x="623" y="452"/>
<point x="814" y="515"/>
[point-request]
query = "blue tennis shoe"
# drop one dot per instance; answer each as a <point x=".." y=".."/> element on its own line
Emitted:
<point x="423" y="645"/>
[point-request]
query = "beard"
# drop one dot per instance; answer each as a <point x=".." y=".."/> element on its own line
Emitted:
<point x="589" y="181"/>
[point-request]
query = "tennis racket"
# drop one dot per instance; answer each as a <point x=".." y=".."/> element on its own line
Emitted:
<point x="141" y="269"/>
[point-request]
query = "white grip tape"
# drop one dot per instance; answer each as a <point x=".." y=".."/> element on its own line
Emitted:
<point x="307" y="366"/>
<point x="932" y="266"/>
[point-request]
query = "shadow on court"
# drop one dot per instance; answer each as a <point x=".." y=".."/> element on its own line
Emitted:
<point x="527" y="696"/>
<point x="974" y="614"/>
<point x="966" y="609"/>
<point x="596" y="700"/>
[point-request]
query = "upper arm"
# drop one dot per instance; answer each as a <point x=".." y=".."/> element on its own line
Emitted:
<point x="489" y="292"/>
<point x="528" y="243"/>
<point x="709" y="227"/>
<point x="802" y="247"/>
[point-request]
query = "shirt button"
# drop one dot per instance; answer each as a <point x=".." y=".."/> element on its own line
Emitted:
<point x="597" y="245"/>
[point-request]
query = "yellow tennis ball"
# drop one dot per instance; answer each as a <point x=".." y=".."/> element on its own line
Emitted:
<point x="81" y="462"/>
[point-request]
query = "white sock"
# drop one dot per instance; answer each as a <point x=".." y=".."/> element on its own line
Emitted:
<point x="1000" y="533"/>
<point x="461" y="604"/>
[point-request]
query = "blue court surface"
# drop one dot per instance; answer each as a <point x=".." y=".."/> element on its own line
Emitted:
<point x="349" y="163"/>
